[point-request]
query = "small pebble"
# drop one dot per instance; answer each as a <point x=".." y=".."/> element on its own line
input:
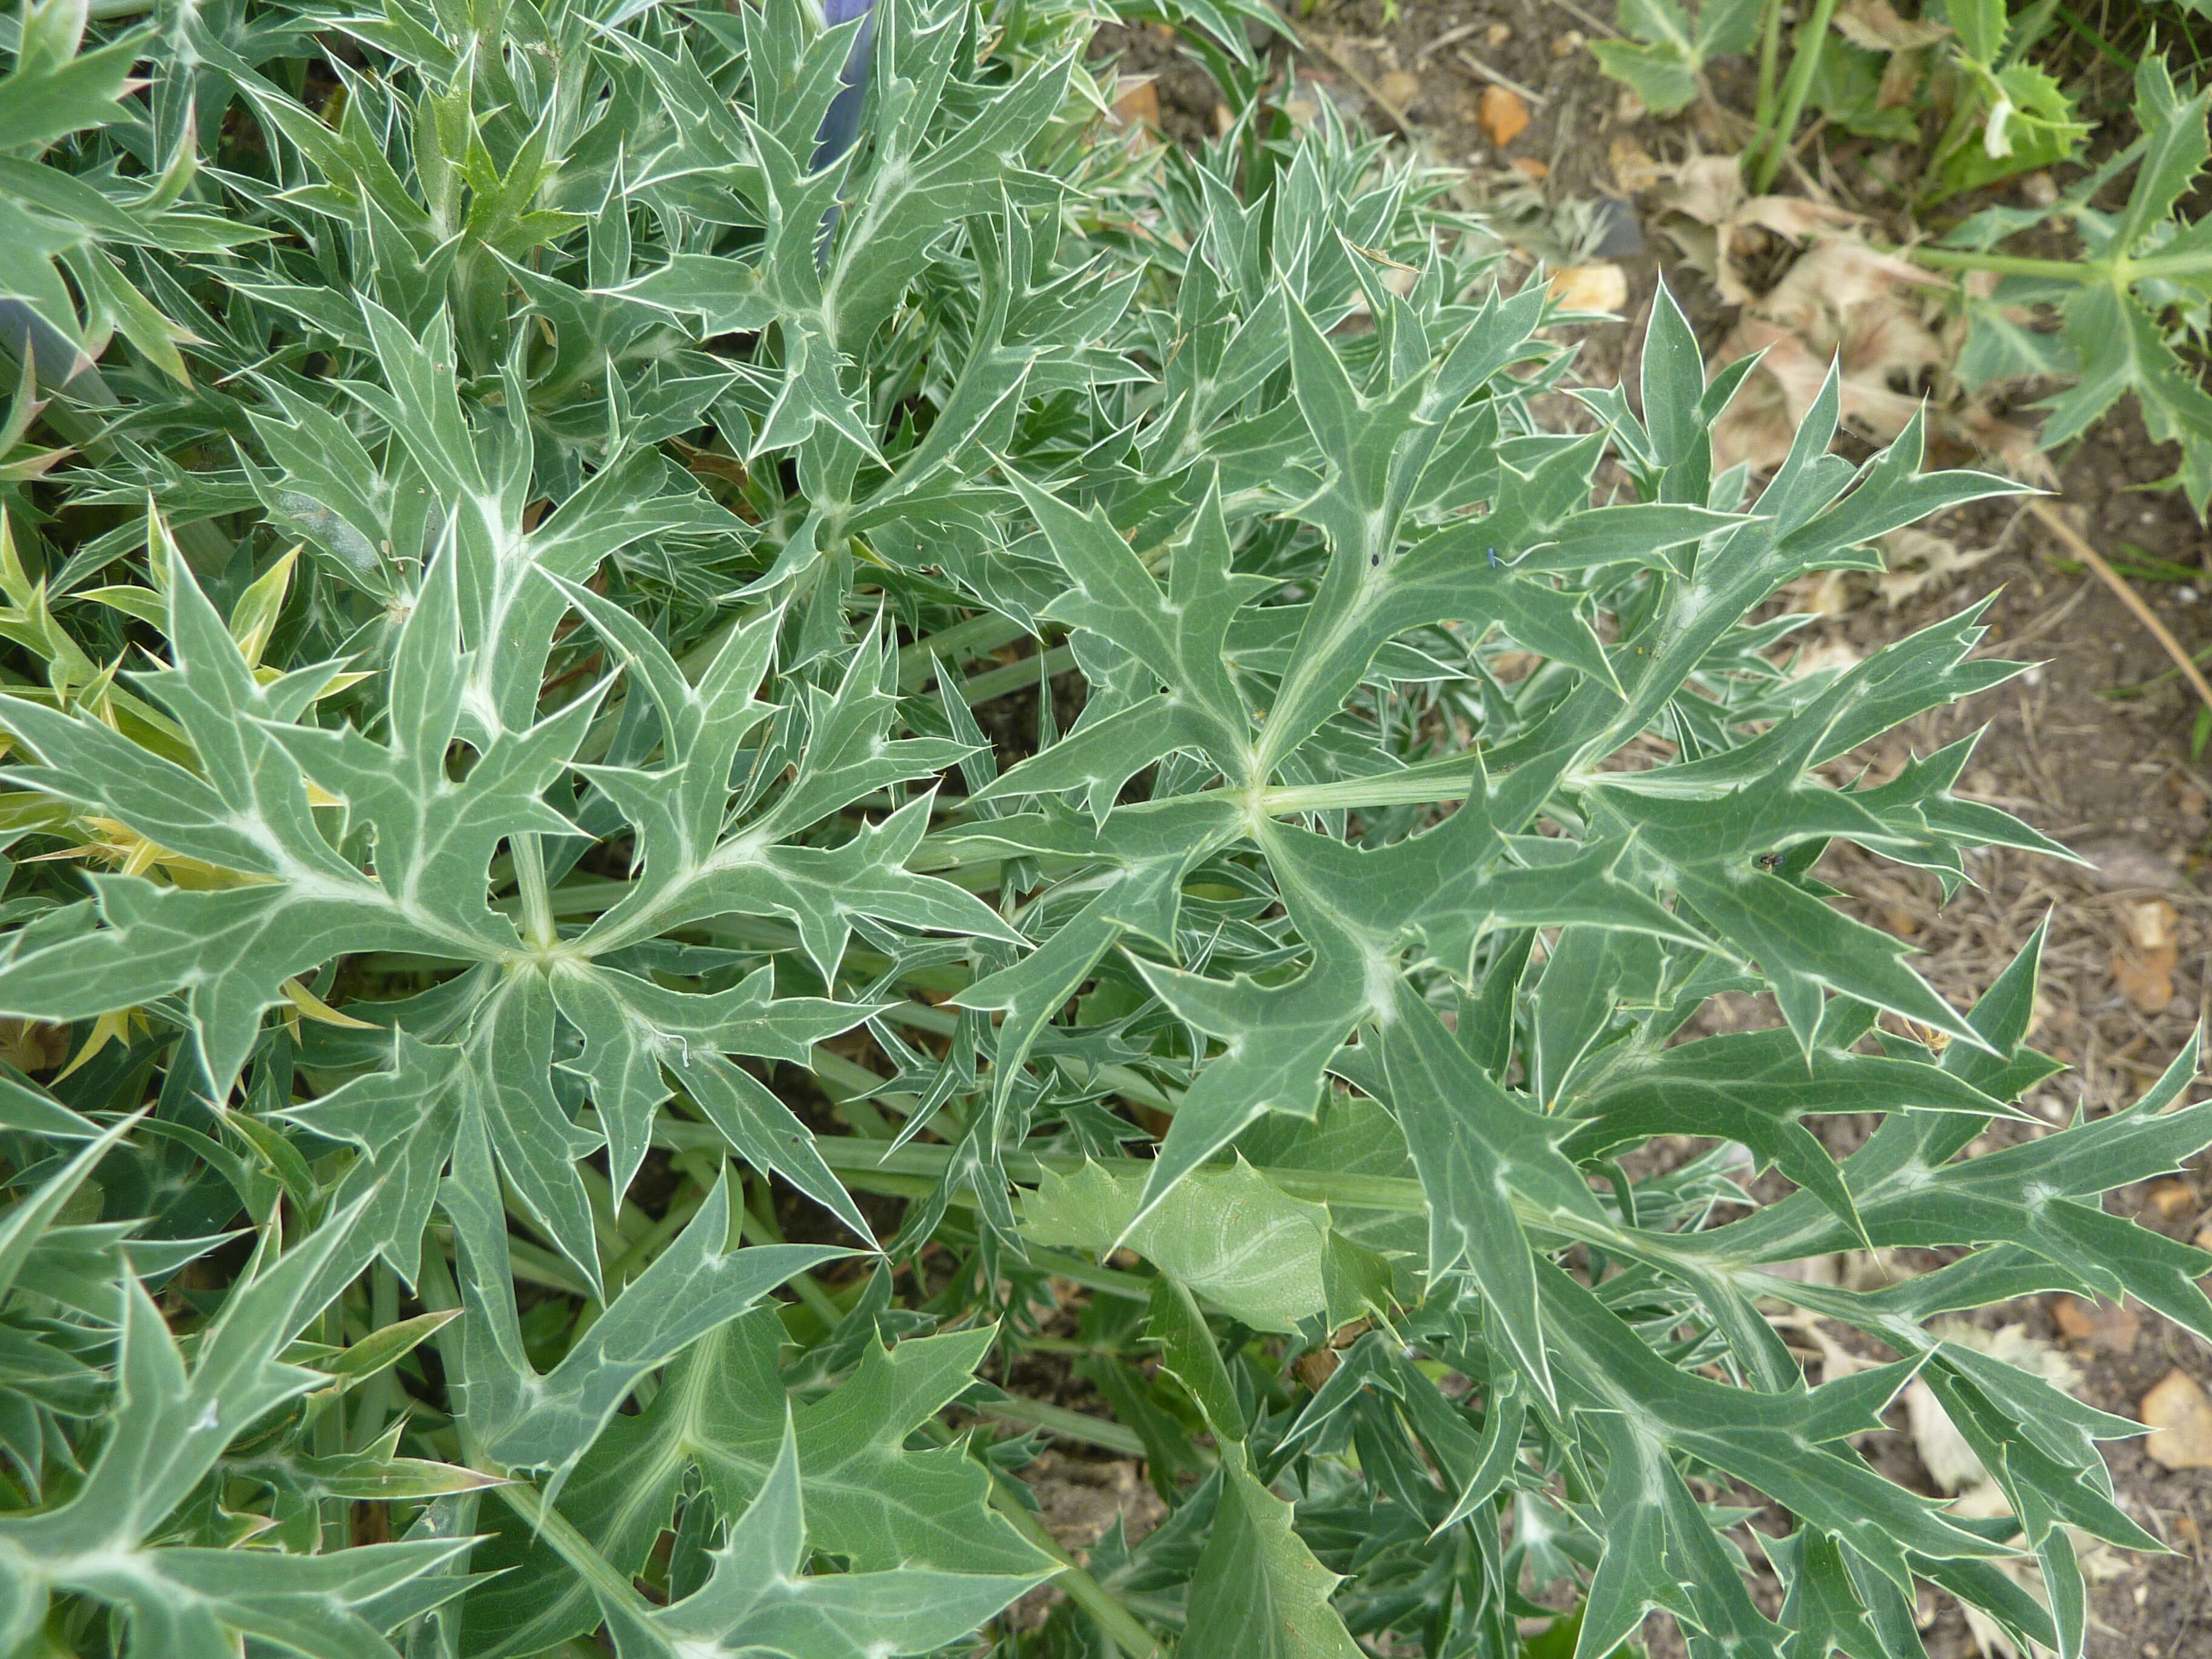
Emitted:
<point x="1498" y="33"/>
<point x="1567" y="45"/>
<point x="1502" y="115"/>
<point x="1622" y="236"/>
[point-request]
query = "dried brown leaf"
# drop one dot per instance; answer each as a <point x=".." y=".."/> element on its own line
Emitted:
<point x="1875" y="25"/>
<point x="1698" y="245"/>
<point x="1949" y="1460"/>
<point x="1794" y="217"/>
<point x="1842" y="302"/>
<point x="1900" y="78"/>
<point x="1823" y="594"/>
<point x="31" y="1045"/>
<point x="1827" y="653"/>
<point x="2012" y="447"/>
<point x="1633" y="168"/>
<point x="1839" y="276"/>
<point x="1919" y="559"/>
<point x="1707" y="188"/>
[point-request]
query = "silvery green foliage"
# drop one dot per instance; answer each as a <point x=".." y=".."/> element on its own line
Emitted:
<point x="499" y="684"/>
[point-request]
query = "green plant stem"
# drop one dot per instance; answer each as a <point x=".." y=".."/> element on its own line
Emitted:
<point x="2111" y="54"/>
<point x="758" y="1229"/>
<point x="1076" y="1348"/>
<point x="1068" y="1424"/>
<point x="962" y="643"/>
<point x="648" y="1243"/>
<point x="1770" y="64"/>
<point x="866" y="1120"/>
<point x="1774" y="141"/>
<point x="1108" y="1281"/>
<point x="531" y="1264"/>
<point x="1968" y="112"/>
<point x="556" y="1528"/>
<point x="372" y="1406"/>
<point x="2007" y="264"/>
<point x="2157" y="267"/>
<point x="606" y="1228"/>
<point x="326" y="1434"/>
<point x="1432" y="783"/>
<point x="1118" y="1625"/>
<point x="2202" y="657"/>
<point x="1016" y="675"/>
<point x="530" y="883"/>
<point x="845" y="1081"/>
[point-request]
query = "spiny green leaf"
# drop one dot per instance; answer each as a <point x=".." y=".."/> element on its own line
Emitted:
<point x="758" y="1599"/>
<point x="1257" y="1588"/>
<point x="723" y="586"/>
<point x="1231" y="1237"/>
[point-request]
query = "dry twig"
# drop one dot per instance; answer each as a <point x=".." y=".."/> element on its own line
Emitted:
<point x="2081" y="549"/>
<point x="1322" y="43"/>
<point x="1603" y="29"/>
<point x="1437" y="43"/>
<point x="1474" y="65"/>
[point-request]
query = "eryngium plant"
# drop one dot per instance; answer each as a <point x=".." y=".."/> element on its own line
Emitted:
<point x="505" y="837"/>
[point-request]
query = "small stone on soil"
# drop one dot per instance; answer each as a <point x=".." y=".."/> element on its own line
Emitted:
<point x="1402" y="87"/>
<point x="2111" y="1326"/>
<point x="2181" y="1416"/>
<point x="1502" y="115"/>
<point x="2123" y="861"/>
<point x="1591" y="288"/>
<point x="2171" y="1199"/>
